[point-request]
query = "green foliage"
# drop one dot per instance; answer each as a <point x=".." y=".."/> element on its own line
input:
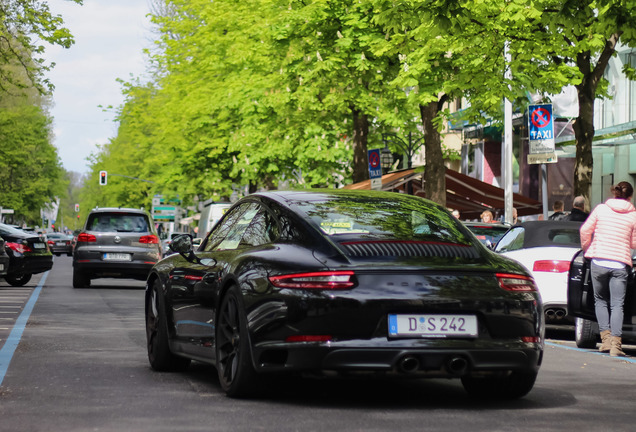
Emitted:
<point x="24" y="26"/>
<point x="30" y="172"/>
<point x="254" y="92"/>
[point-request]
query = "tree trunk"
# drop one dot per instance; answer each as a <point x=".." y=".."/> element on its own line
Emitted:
<point x="434" y="171"/>
<point x="584" y="124"/>
<point x="360" y="137"/>
<point x="584" y="134"/>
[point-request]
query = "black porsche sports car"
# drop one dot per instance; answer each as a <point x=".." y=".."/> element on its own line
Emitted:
<point x="338" y="281"/>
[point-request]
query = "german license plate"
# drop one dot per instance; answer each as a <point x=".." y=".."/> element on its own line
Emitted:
<point x="60" y="244"/>
<point x="117" y="257"/>
<point x="38" y="246"/>
<point x="438" y="325"/>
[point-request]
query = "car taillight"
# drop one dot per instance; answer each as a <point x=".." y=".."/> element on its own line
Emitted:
<point x="315" y="280"/>
<point x="552" y="266"/>
<point x="51" y="242"/>
<point x="516" y="283"/>
<point x="86" y="238"/>
<point x="18" y="247"/>
<point x="149" y="239"/>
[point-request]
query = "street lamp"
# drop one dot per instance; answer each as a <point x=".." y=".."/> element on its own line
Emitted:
<point x="410" y="148"/>
<point x="386" y="158"/>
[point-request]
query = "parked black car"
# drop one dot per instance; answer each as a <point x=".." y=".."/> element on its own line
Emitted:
<point x="4" y="259"/>
<point x="581" y="304"/>
<point x="335" y="281"/>
<point x="487" y="233"/>
<point x="28" y="254"/>
<point x="60" y="243"/>
<point x="117" y="243"/>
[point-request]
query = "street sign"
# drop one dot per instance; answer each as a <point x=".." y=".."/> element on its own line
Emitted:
<point x="541" y="134"/>
<point x="375" y="168"/>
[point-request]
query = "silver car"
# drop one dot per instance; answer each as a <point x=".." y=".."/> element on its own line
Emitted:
<point x="115" y="243"/>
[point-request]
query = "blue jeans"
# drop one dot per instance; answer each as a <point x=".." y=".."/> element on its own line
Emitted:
<point x="609" y="286"/>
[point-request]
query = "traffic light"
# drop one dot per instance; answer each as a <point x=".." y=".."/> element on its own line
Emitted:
<point x="76" y="208"/>
<point x="103" y="178"/>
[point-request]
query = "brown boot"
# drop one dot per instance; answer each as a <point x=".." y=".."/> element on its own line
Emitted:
<point x="606" y="341"/>
<point x="616" y="350"/>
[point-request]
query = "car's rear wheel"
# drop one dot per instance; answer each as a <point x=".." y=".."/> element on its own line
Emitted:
<point x="585" y="333"/>
<point x="18" y="279"/>
<point x="157" y="342"/>
<point x="81" y="279"/>
<point x="233" y="354"/>
<point x="509" y="386"/>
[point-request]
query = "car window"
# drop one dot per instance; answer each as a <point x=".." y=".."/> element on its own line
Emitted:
<point x="228" y="234"/>
<point x="263" y="229"/>
<point x="512" y="240"/>
<point x="377" y="218"/>
<point x="565" y="237"/>
<point x="118" y="222"/>
<point x="288" y="227"/>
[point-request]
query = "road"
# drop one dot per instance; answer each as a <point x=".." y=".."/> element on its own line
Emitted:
<point x="81" y="365"/>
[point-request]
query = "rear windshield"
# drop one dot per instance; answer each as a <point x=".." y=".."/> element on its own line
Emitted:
<point x="117" y="222"/>
<point x="378" y="218"/>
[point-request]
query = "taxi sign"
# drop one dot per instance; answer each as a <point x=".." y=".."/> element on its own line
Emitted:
<point x="541" y="134"/>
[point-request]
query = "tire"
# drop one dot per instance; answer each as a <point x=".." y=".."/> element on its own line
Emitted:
<point x="157" y="341"/>
<point x="511" y="386"/>
<point x="18" y="279"/>
<point x="58" y="254"/>
<point x="233" y="353"/>
<point x="585" y="333"/>
<point x="81" y="279"/>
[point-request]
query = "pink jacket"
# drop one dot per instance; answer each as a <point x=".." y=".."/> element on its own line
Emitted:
<point x="610" y="231"/>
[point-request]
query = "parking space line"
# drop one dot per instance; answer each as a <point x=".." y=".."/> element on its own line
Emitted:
<point x="9" y="347"/>
<point x="584" y="350"/>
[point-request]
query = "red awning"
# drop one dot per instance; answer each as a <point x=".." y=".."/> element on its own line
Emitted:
<point x="466" y="194"/>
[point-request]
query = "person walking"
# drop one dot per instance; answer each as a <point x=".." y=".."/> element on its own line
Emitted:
<point x="607" y="237"/>
<point x="578" y="213"/>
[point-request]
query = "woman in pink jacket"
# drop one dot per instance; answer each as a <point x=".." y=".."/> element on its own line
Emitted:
<point x="607" y="237"/>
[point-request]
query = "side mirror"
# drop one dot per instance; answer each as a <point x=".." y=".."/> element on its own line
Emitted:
<point x="183" y="246"/>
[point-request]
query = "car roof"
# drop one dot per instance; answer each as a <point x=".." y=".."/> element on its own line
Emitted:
<point x="307" y="195"/>
<point x="118" y="209"/>
<point x="541" y="233"/>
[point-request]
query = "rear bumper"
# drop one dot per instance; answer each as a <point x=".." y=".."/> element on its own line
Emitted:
<point x="98" y="268"/>
<point x="442" y="362"/>
<point x="31" y="264"/>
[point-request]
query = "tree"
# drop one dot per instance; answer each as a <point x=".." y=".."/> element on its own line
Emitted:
<point x="584" y="36"/>
<point x="30" y="170"/>
<point x="24" y="25"/>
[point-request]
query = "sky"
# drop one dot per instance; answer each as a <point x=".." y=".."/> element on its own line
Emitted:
<point x="110" y="36"/>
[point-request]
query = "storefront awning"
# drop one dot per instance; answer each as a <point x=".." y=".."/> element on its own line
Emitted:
<point x="464" y="193"/>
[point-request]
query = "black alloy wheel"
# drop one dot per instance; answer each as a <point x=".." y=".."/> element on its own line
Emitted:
<point x="159" y="354"/>
<point x="507" y="386"/>
<point x="81" y="279"/>
<point x="18" y="279"/>
<point x="233" y="355"/>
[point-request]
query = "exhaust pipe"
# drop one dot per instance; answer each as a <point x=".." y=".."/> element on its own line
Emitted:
<point x="550" y="313"/>
<point x="409" y="364"/>
<point x="457" y="365"/>
<point x="560" y="313"/>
